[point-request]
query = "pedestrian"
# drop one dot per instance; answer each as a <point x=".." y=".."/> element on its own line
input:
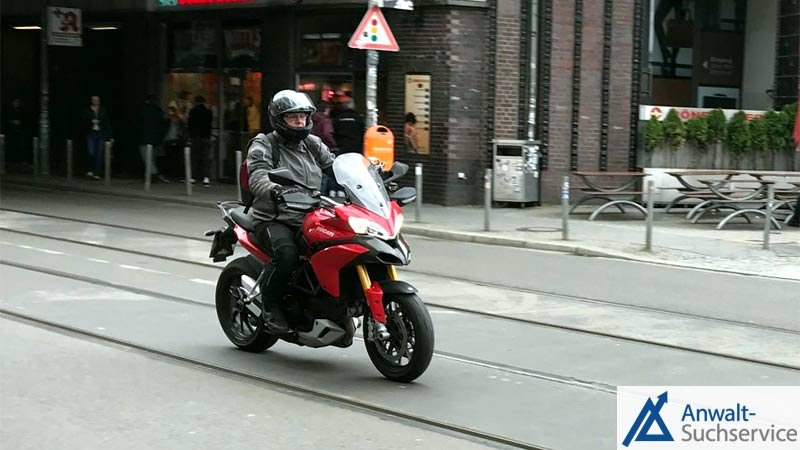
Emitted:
<point x="253" y="117"/>
<point x="152" y="123"/>
<point x="174" y="140"/>
<point x="409" y="133"/>
<point x="348" y="128"/>
<point x="795" y="220"/>
<point x="98" y="130"/>
<point x="323" y="128"/>
<point x="200" y="118"/>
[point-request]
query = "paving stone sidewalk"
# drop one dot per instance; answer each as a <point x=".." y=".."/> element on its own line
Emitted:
<point x="738" y="248"/>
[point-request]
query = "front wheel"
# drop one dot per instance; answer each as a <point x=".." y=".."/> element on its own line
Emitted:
<point x="408" y="351"/>
<point x="243" y="328"/>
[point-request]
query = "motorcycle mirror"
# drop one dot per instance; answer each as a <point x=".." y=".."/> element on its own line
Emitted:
<point x="283" y="176"/>
<point x="398" y="170"/>
<point x="404" y="196"/>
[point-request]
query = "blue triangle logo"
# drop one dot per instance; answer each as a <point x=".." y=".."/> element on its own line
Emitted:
<point x="649" y="415"/>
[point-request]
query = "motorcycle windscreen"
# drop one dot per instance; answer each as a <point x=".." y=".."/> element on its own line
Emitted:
<point x="362" y="182"/>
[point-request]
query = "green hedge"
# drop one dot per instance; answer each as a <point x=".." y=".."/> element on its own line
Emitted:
<point x="773" y="132"/>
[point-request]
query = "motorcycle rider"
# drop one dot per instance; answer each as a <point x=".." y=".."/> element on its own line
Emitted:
<point x="306" y="157"/>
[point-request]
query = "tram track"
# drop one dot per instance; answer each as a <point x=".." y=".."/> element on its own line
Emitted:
<point x="581" y="299"/>
<point x="457" y="357"/>
<point x="318" y="394"/>
<point x="504" y="368"/>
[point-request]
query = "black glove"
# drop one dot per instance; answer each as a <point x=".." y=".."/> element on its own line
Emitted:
<point x="278" y="191"/>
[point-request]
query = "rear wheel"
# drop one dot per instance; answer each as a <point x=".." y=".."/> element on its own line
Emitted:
<point x="408" y="351"/>
<point x="242" y="327"/>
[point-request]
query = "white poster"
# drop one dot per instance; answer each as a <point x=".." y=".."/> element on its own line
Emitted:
<point x="399" y="4"/>
<point x="64" y="26"/>
<point x="418" y="103"/>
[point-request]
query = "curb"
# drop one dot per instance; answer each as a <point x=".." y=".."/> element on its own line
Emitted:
<point x="566" y="249"/>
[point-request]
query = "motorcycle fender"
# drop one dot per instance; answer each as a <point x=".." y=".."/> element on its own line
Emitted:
<point x="397" y="287"/>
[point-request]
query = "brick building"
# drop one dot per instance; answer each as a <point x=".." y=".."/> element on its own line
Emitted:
<point x="570" y="74"/>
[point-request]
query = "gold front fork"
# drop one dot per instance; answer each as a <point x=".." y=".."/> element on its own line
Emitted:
<point x="363" y="276"/>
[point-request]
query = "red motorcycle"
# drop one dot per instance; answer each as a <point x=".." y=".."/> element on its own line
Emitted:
<point x="349" y="251"/>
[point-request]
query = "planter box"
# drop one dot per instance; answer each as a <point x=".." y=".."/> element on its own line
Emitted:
<point x="716" y="157"/>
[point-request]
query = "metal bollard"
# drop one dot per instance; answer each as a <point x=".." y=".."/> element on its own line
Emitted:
<point x="2" y="154"/>
<point x="648" y="239"/>
<point x="768" y="215"/>
<point x="69" y="161"/>
<point x="44" y="160"/>
<point x="418" y="203"/>
<point x="35" y="156"/>
<point x="565" y="209"/>
<point x="487" y="199"/>
<point x="148" y="166"/>
<point x="107" y="167"/>
<point x="239" y="180"/>
<point x="187" y="166"/>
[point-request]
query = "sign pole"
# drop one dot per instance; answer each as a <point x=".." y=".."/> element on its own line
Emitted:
<point x="373" y="34"/>
<point x="372" y="87"/>
<point x="372" y="78"/>
<point x="44" y="116"/>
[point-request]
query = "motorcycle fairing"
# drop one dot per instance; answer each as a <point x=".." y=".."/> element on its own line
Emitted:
<point x="346" y="211"/>
<point x="329" y="262"/>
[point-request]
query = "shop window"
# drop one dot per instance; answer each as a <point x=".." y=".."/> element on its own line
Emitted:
<point x="326" y="87"/>
<point x="713" y="53"/>
<point x="326" y="49"/>
<point x="242" y="47"/>
<point x="194" y="46"/>
<point x="181" y="89"/>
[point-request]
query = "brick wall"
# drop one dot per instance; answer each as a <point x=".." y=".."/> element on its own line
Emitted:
<point x="591" y="90"/>
<point x="590" y="109"/>
<point x="449" y="44"/>
<point x="620" y="86"/>
<point x="560" y="112"/>
<point x="507" y="71"/>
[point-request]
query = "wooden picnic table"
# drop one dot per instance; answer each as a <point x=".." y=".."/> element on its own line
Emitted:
<point x="632" y="176"/>
<point x="617" y="196"/>
<point x="680" y="174"/>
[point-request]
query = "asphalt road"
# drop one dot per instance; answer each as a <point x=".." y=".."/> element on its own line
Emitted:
<point x="500" y="376"/>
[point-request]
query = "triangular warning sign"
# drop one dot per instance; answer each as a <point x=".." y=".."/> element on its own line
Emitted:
<point x="373" y="33"/>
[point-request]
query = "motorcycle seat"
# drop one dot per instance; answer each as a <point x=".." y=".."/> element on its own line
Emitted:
<point x="243" y="220"/>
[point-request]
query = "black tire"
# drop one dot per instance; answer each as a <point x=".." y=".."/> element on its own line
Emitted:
<point x="242" y="328"/>
<point x="408" y="322"/>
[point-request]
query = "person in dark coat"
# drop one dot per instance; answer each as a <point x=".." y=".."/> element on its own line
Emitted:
<point x="98" y="130"/>
<point x="152" y="123"/>
<point x="200" y="118"/>
<point x="348" y="129"/>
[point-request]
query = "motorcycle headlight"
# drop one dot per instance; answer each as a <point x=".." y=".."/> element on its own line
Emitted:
<point x="398" y="224"/>
<point x="359" y="225"/>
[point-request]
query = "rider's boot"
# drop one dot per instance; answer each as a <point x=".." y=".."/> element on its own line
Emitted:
<point x="274" y="319"/>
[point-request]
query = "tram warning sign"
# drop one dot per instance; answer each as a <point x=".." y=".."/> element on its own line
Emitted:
<point x="373" y="33"/>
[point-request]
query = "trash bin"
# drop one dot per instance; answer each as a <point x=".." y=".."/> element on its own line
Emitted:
<point x="515" y="171"/>
<point x="379" y="143"/>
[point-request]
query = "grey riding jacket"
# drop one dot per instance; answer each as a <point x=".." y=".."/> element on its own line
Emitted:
<point x="305" y="160"/>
